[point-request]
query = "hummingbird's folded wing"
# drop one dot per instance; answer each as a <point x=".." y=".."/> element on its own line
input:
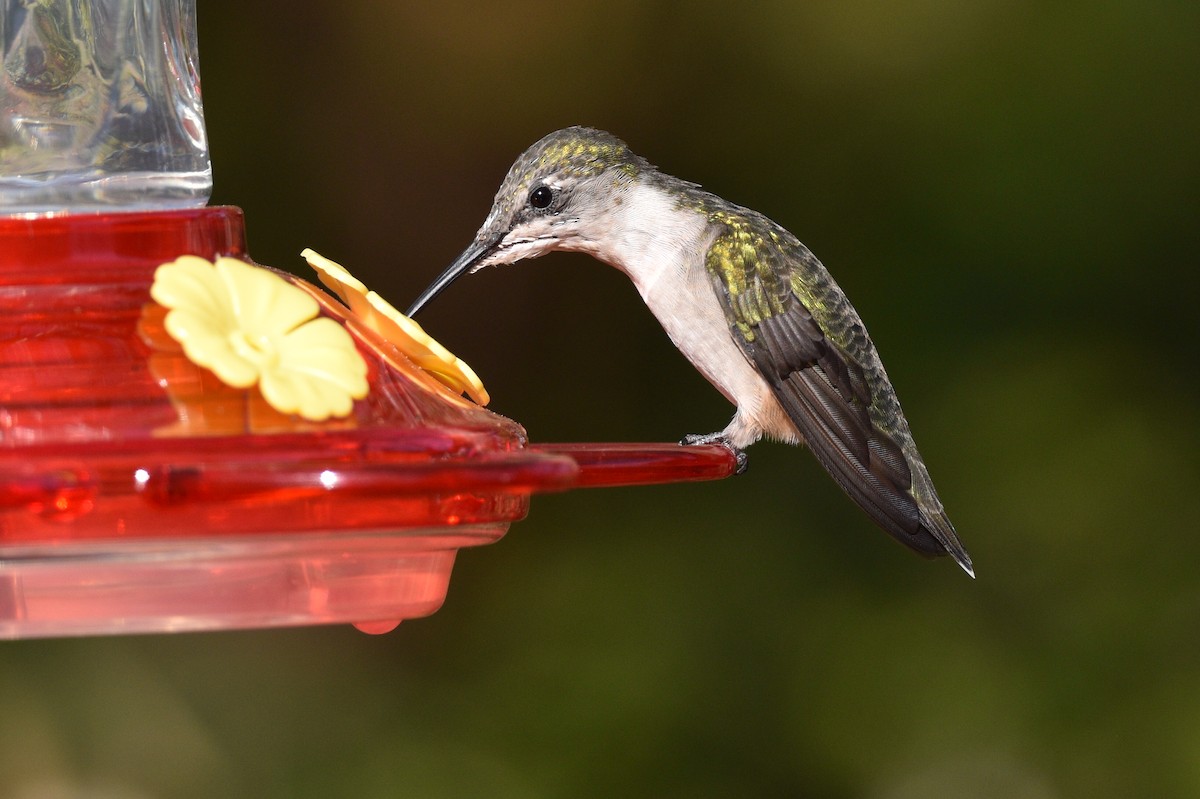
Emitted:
<point x="824" y="390"/>
<point x="819" y="396"/>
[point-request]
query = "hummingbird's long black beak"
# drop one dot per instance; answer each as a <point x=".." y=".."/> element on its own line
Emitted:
<point x="462" y="265"/>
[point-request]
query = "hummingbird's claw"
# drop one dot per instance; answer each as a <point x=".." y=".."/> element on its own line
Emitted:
<point x="692" y="439"/>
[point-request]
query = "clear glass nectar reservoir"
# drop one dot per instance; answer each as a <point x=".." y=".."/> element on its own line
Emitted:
<point x="100" y="106"/>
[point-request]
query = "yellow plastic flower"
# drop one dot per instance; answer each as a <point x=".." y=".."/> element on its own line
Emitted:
<point x="249" y="326"/>
<point x="408" y="336"/>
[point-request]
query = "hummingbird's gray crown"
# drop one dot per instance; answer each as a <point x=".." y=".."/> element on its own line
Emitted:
<point x="563" y="159"/>
<point x="574" y="152"/>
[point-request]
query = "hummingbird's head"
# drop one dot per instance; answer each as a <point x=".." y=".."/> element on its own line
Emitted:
<point x="560" y="194"/>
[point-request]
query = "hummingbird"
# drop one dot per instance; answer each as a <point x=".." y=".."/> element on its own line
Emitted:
<point x="744" y="301"/>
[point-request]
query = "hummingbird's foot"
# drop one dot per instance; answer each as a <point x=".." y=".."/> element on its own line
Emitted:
<point x="693" y="439"/>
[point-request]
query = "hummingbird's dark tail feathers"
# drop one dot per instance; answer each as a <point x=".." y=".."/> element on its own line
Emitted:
<point x="937" y="523"/>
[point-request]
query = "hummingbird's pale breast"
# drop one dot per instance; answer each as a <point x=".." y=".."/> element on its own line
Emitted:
<point x="661" y="247"/>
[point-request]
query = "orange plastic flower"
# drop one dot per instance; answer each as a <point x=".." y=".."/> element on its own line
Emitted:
<point x="401" y="331"/>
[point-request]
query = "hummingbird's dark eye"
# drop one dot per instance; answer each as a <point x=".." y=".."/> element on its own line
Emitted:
<point x="541" y="197"/>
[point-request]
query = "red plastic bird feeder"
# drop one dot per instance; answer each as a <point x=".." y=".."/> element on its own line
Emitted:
<point x="139" y="495"/>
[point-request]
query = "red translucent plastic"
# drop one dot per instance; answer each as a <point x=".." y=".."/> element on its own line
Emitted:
<point x="137" y="493"/>
<point x="607" y="465"/>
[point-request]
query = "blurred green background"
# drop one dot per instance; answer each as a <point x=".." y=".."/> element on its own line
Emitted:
<point x="1008" y="191"/>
